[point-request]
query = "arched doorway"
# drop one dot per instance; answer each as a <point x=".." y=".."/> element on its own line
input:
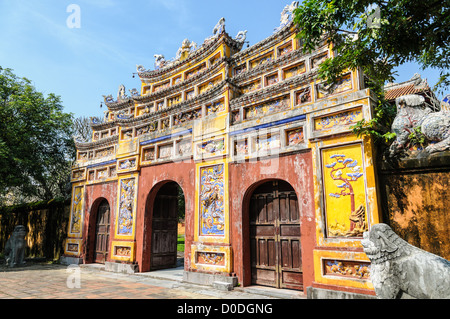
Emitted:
<point x="168" y="206"/>
<point x="102" y="228"/>
<point x="274" y="231"/>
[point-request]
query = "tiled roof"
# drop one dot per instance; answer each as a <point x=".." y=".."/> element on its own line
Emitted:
<point x="415" y="85"/>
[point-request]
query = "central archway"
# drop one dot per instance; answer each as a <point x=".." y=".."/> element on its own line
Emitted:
<point x="164" y="208"/>
<point x="274" y="231"/>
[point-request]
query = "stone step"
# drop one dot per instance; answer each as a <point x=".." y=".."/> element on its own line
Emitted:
<point x="220" y="285"/>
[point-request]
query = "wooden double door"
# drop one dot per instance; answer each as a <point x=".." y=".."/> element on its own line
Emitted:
<point x="275" y="236"/>
<point x="102" y="232"/>
<point x="165" y="228"/>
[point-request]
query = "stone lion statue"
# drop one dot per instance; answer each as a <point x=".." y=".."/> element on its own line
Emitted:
<point x="414" y="113"/>
<point x="400" y="270"/>
<point x="15" y="247"/>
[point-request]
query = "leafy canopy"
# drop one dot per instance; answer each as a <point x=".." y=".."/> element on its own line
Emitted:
<point x="36" y="145"/>
<point x="378" y="35"/>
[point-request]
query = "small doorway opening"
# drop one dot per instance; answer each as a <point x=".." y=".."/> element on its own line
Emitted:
<point x="102" y="228"/>
<point x="275" y="244"/>
<point x="167" y="245"/>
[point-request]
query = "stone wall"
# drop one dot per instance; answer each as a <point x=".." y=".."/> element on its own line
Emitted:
<point x="46" y="226"/>
<point x="415" y="200"/>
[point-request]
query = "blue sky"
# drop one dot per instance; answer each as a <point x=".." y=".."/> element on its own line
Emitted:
<point x="83" y="64"/>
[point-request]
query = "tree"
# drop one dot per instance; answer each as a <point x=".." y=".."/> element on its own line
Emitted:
<point x="36" y="145"/>
<point x="83" y="129"/>
<point x="377" y="36"/>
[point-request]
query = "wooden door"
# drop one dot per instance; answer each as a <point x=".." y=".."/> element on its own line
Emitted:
<point x="102" y="233"/>
<point x="165" y="228"/>
<point x="275" y="236"/>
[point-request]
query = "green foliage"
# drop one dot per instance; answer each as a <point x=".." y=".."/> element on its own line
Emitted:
<point x="180" y="243"/>
<point x="417" y="138"/>
<point x="36" y="145"/>
<point x="181" y="205"/>
<point x="377" y="36"/>
<point x="379" y="126"/>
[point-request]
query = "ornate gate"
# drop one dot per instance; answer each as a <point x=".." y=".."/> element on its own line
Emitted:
<point x="275" y="236"/>
<point x="164" y="228"/>
<point x="102" y="232"/>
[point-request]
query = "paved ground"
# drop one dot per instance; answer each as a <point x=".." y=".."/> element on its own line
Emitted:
<point x="54" y="281"/>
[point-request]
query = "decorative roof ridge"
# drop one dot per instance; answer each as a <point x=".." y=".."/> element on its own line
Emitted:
<point x="119" y="104"/>
<point x="101" y="125"/>
<point x="284" y="59"/>
<point x="416" y="80"/>
<point x="170" y="110"/>
<point x="271" y="90"/>
<point x="206" y="73"/>
<point x="265" y="42"/>
<point x="94" y="144"/>
<point x="209" y="46"/>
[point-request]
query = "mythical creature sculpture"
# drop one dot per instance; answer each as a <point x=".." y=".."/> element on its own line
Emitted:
<point x="140" y="68"/>
<point x="400" y="270"/>
<point x="219" y="27"/>
<point x="108" y="98"/>
<point x="121" y="93"/>
<point x="15" y="247"/>
<point x="186" y="48"/>
<point x="160" y="61"/>
<point x="134" y="92"/>
<point x="413" y="114"/>
<point x="241" y="36"/>
<point x="286" y="14"/>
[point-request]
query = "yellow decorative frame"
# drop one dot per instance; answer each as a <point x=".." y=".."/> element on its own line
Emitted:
<point x="216" y="238"/>
<point x="225" y="250"/>
<point x="73" y="241"/>
<point x="134" y="207"/>
<point x="127" y="244"/>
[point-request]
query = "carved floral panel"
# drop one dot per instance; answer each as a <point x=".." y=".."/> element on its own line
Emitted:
<point x="295" y="70"/>
<point x="295" y="137"/>
<point x="211" y="258"/>
<point x="337" y="120"/>
<point x="267" y="108"/>
<point x="345" y="268"/>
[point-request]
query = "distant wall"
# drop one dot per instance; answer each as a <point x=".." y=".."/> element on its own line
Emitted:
<point x="45" y="223"/>
<point x="416" y="201"/>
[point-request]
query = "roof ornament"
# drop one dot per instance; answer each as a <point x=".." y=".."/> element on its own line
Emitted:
<point x="121" y="93"/>
<point x="108" y="98"/>
<point x="160" y="61"/>
<point x="140" y="68"/>
<point x="219" y="28"/>
<point x="445" y="104"/>
<point x="187" y="47"/>
<point x="95" y="120"/>
<point x="241" y="36"/>
<point x="287" y="15"/>
<point x="134" y="92"/>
